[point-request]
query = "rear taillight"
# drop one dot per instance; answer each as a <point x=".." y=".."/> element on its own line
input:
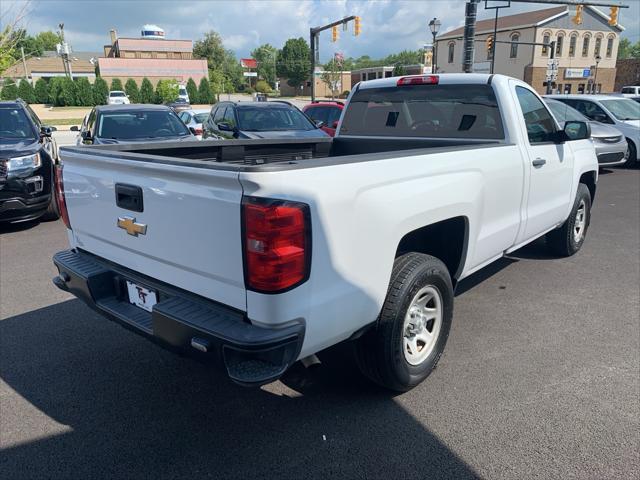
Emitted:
<point x="277" y="244"/>
<point x="59" y="194"/>
<point x="198" y="130"/>
<point x="418" y="80"/>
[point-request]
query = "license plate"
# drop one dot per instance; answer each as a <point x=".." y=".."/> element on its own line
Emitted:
<point x="141" y="297"/>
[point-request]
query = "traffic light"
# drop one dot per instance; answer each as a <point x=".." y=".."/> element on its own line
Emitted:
<point x="357" y="26"/>
<point x="613" y="16"/>
<point x="489" y="44"/>
<point x="577" y="19"/>
<point x="335" y="34"/>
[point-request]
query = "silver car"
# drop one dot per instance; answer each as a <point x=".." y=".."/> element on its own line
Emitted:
<point x="194" y="119"/>
<point x="611" y="146"/>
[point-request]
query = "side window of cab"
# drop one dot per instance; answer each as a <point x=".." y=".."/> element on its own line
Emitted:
<point x="540" y="125"/>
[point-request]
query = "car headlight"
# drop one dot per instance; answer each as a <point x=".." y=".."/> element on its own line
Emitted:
<point x="23" y="163"/>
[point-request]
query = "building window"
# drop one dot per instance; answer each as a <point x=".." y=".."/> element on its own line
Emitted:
<point x="599" y="88"/>
<point x="609" y="47"/>
<point x="514" y="45"/>
<point x="545" y="39"/>
<point x="598" y="46"/>
<point x="581" y="88"/>
<point x="452" y="47"/>
<point x="559" y="88"/>
<point x="572" y="45"/>
<point x="567" y="88"/>
<point x="559" y="42"/>
<point x="585" y="46"/>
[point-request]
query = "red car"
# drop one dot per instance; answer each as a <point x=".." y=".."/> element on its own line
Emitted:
<point x="328" y="112"/>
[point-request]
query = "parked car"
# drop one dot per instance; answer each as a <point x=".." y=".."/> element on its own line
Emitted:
<point x="108" y="124"/>
<point x="182" y="94"/>
<point x="117" y="97"/>
<point x="179" y="105"/>
<point x="275" y="119"/>
<point x="327" y="113"/>
<point x="28" y="158"/>
<point x="280" y="248"/>
<point x="621" y="113"/>
<point x="631" y="91"/>
<point x="194" y="119"/>
<point x="611" y="146"/>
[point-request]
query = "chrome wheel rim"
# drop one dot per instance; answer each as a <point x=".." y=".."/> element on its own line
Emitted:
<point x="422" y="324"/>
<point x="580" y="222"/>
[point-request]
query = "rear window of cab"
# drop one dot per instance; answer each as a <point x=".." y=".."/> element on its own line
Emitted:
<point x="438" y="111"/>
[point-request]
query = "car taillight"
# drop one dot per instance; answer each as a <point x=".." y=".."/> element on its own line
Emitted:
<point x="418" y="80"/>
<point x="59" y="195"/>
<point x="198" y="130"/>
<point x="277" y="244"/>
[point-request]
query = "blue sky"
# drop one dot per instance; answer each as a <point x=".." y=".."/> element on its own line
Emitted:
<point x="388" y="25"/>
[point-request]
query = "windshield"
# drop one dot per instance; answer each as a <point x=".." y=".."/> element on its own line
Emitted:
<point x="15" y="124"/>
<point x="440" y="111"/>
<point x="183" y="91"/>
<point x="117" y="94"/>
<point x="564" y="112"/>
<point x="623" y="108"/>
<point x="265" y="119"/>
<point x="139" y="125"/>
<point x="201" y="117"/>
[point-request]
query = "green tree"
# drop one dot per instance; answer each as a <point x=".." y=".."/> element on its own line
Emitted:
<point x="84" y="92"/>
<point x="100" y="91"/>
<point x="9" y="90"/>
<point x="266" y="56"/>
<point x="399" y="70"/>
<point x="146" y="91"/>
<point x="116" y="84"/>
<point x="218" y="58"/>
<point x="48" y="40"/>
<point x="263" y="87"/>
<point x="205" y="93"/>
<point x="41" y="91"/>
<point x="293" y="61"/>
<point x="167" y="90"/>
<point x="192" y="91"/>
<point x="68" y="93"/>
<point x="332" y="77"/>
<point x="55" y="86"/>
<point x="25" y="91"/>
<point x="131" y="88"/>
<point x="626" y="49"/>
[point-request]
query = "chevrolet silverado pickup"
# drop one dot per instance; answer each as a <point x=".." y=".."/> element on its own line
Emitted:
<point x="260" y="253"/>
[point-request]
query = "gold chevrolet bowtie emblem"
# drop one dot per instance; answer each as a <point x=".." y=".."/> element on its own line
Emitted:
<point x="130" y="225"/>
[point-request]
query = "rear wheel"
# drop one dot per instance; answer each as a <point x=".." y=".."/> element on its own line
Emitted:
<point x="631" y="157"/>
<point x="568" y="239"/>
<point x="412" y="330"/>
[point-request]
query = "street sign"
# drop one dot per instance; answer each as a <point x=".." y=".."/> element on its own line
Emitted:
<point x="250" y="74"/>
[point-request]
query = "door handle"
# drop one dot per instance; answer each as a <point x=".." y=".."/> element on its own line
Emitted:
<point x="538" y="162"/>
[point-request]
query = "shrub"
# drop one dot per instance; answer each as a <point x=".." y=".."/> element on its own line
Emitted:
<point x="146" y="91"/>
<point x="100" y="91"/>
<point x="55" y="86"/>
<point x="205" y="95"/>
<point x="84" y="92"/>
<point x="25" y="91"/>
<point x="9" y="90"/>
<point x="41" y="91"/>
<point x="192" y="91"/>
<point x="262" y="86"/>
<point x="167" y="91"/>
<point x="131" y="88"/>
<point x="68" y="93"/>
<point x="116" y="84"/>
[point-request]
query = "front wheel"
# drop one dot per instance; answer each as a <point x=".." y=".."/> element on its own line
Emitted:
<point x="631" y="157"/>
<point x="568" y="239"/>
<point x="410" y="335"/>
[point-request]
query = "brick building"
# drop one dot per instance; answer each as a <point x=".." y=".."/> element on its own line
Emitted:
<point x="577" y="47"/>
<point x="154" y="58"/>
<point x="627" y="73"/>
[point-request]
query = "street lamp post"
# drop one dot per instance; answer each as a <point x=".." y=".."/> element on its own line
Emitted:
<point x="595" y="76"/>
<point x="434" y="26"/>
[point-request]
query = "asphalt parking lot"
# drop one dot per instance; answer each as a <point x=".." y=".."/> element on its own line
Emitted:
<point x="540" y="379"/>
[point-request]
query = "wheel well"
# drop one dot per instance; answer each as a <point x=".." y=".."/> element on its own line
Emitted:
<point x="446" y="240"/>
<point x="589" y="179"/>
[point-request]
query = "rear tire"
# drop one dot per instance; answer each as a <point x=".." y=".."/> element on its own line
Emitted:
<point x="412" y="330"/>
<point x="632" y="155"/>
<point x="568" y="239"/>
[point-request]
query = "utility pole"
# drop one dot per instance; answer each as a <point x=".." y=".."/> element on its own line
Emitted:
<point x="314" y="43"/>
<point x="24" y="65"/>
<point x="63" y="51"/>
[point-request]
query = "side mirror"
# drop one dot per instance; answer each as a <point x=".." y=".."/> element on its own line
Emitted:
<point x="576" y="130"/>
<point x="74" y="128"/>
<point x="225" y="127"/>
<point x="46" y="130"/>
<point x="86" y="137"/>
<point x="319" y="123"/>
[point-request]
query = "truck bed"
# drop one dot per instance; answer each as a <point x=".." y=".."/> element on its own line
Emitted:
<point x="251" y="155"/>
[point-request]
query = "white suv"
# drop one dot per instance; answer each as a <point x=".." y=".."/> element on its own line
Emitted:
<point x="630" y="91"/>
<point x="117" y="97"/>
<point x="182" y="93"/>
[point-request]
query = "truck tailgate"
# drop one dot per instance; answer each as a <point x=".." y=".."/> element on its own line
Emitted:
<point x="192" y="218"/>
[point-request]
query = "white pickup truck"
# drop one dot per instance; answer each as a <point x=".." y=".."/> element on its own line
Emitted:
<point x="265" y="252"/>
